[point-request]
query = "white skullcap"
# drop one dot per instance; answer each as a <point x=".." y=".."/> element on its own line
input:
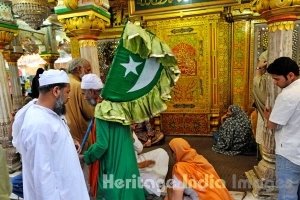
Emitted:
<point x="53" y="76"/>
<point x="91" y="81"/>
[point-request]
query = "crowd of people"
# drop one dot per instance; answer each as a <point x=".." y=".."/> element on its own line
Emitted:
<point x="56" y="152"/>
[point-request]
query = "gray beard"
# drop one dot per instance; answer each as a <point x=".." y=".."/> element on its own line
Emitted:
<point x="93" y="102"/>
<point x="59" y="107"/>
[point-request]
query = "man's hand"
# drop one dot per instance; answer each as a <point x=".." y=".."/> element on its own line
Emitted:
<point x="146" y="163"/>
<point x="270" y="125"/>
<point x="262" y="64"/>
<point x="224" y="117"/>
<point x="267" y="112"/>
<point x="261" y="67"/>
<point x="77" y="145"/>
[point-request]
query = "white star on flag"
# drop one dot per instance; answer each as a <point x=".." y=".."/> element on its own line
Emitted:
<point x="131" y="66"/>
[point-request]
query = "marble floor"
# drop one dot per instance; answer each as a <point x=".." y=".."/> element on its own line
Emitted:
<point x="242" y="195"/>
<point x="236" y="195"/>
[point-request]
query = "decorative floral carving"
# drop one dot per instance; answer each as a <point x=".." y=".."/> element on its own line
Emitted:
<point x="286" y="25"/>
<point x="33" y="12"/>
<point x="5" y="13"/>
<point x="277" y="10"/>
<point x="262" y="5"/>
<point x="88" y="24"/>
<point x="87" y="43"/>
<point x="6" y="37"/>
<point x="29" y="46"/>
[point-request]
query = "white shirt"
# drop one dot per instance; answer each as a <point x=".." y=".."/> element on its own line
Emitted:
<point x="153" y="177"/>
<point x="286" y="113"/>
<point x="51" y="168"/>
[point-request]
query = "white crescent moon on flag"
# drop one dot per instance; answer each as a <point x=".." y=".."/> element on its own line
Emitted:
<point x="147" y="75"/>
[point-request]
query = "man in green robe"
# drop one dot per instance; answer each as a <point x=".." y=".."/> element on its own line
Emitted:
<point x="137" y="87"/>
<point x="119" y="175"/>
<point x="113" y="147"/>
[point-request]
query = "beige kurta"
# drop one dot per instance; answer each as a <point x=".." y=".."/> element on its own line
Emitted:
<point x="79" y="111"/>
<point x="5" y="187"/>
<point x="260" y="97"/>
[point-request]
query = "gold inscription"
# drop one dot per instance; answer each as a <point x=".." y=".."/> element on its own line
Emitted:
<point x="155" y="2"/>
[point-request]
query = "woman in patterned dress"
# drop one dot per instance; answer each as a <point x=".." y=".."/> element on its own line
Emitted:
<point x="235" y="134"/>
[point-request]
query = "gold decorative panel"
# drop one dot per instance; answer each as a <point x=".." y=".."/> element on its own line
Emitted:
<point x="140" y="7"/>
<point x="240" y="63"/>
<point x="223" y="63"/>
<point x="201" y="46"/>
<point x="189" y="40"/>
<point x="187" y="124"/>
<point x="75" y="50"/>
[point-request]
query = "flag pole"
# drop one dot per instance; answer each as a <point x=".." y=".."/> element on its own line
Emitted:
<point x="87" y="133"/>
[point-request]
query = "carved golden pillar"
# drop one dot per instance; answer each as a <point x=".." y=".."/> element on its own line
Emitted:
<point x="281" y="17"/>
<point x="75" y="50"/>
<point x="5" y="101"/>
<point x="51" y="54"/>
<point x="50" y="58"/>
<point x="89" y="51"/>
<point x="85" y="22"/>
<point x="241" y="17"/>
<point x="5" y="105"/>
<point x="7" y="33"/>
<point x="11" y="58"/>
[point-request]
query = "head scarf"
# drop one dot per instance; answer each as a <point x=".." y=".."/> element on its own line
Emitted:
<point x="235" y="134"/>
<point x="196" y="172"/>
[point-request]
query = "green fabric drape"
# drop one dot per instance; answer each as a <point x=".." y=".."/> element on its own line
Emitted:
<point x="146" y="45"/>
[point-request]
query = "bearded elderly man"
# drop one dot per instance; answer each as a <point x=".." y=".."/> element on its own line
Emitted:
<point x="91" y="86"/>
<point x="79" y="112"/>
<point x="51" y="169"/>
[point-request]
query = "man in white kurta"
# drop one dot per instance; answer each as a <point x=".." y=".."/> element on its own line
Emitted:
<point x="284" y="119"/>
<point x="153" y="176"/>
<point x="51" y="168"/>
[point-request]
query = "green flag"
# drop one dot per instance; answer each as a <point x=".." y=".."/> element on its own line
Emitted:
<point x="130" y="76"/>
<point x="140" y="79"/>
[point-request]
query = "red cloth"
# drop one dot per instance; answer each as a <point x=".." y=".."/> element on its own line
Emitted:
<point x="95" y="167"/>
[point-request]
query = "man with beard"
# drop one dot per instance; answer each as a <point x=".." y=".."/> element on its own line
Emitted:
<point x="51" y="169"/>
<point x="91" y="86"/>
<point x="79" y="112"/>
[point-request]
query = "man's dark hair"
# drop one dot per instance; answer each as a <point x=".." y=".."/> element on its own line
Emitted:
<point x="46" y="88"/>
<point x="283" y="66"/>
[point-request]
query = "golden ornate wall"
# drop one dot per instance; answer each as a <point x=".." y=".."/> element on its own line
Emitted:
<point x="215" y="52"/>
<point x="240" y="63"/>
<point x="200" y="45"/>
